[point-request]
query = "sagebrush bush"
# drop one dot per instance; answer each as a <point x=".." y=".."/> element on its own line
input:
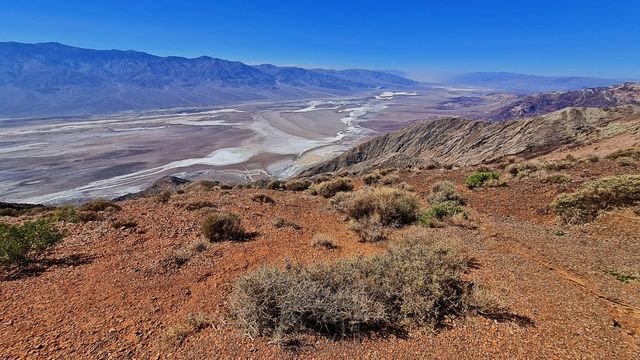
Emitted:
<point x="164" y="197"/>
<point x="625" y="161"/>
<point x="389" y="180"/>
<point x="414" y="285"/>
<point x="389" y="206"/>
<point x="100" y="205"/>
<point x="297" y="185"/>
<point x="440" y="211"/>
<point x="556" y="179"/>
<point x="480" y="178"/>
<point x="222" y="225"/>
<point x="593" y="197"/>
<point x="522" y="169"/>
<point x="371" y="178"/>
<point x="445" y="191"/>
<point x="323" y="240"/>
<point x="330" y="188"/>
<point x="557" y="165"/>
<point x="370" y="230"/>
<point x="274" y="185"/>
<point x="263" y="198"/>
<point x="25" y="242"/>
<point x="633" y="153"/>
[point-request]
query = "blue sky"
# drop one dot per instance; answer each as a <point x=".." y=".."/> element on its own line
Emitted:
<point x="424" y="38"/>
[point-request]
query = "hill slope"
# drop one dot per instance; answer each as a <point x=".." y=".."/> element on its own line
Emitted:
<point x="466" y="142"/>
<point x="53" y="79"/>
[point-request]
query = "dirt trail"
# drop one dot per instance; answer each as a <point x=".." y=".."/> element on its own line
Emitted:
<point x="625" y="315"/>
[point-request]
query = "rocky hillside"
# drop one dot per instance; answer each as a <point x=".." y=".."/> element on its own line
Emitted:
<point x="600" y="97"/>
<point x="461" y="142"/>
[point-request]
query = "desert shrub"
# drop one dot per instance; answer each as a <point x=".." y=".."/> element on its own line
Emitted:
<point x="389" y="180"/>
<point x="274" y="185"/>
<point x="198" y="322"/>
<point x="556" y="179"/>
<point x="633" y="153"/>
<point x="222" y="225"/>
<point x="415" y="285"/>
<point x="481" y="178"/>
<point x="164" y="197"/>
<point x="406" y="187"/>
<point x="297" y="185"/>
<point x="263" y="198"/>
<point x="281" y="223"/>
<point x="370" y="230"/>
<point x="625" y="161"/>
<point x="330" y="188"/>
<point x="100" y="205"/>
<point x="124" y="224"/>
<point x="208" y="185"/>
<point x="389" y="206"/>
<point x="592" y="158"/>
<point x="522" y="169"/>
<point x="371" y="178"/>
<point x="25" y="242"/>
<point x="199" y="205"/>
<point x="557" y="165"/>
<point x="64" y="213"/>
<point x="593" y="197"/>
<point x="87" y="216"/>
<point x="324" y="241"/>
<point x="225" y="186"/>
<point x="439" y="212"/>
<point x="10" y="212"/>
<point x="445" y="191"/>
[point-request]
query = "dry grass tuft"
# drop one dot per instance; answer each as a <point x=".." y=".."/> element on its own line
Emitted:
<point x="330" y="188"/>
<point x="100" y="205"/>
<point x="594" y="197"/>
<point x="263" y="198"/>
<point x="324" y="241"/>
<point x="388" y="206"/>
<point x="222" y="225"/>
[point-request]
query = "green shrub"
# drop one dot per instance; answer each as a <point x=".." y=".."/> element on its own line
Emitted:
<point x="479" y="178"/>
<point x="445" y="191"/>
<point x="440" y="211"/>
<point x="415" y="285"/>
<point x="330" y="188"/>
<point x="388" y="206"/>
<point x="25" y="242"/>
<point x="263" y="198"/>
<point x="100" y="205"/>
<point x="593" y="197"/>
<point x="222" y="225"/>
<point x="64" y="213"/>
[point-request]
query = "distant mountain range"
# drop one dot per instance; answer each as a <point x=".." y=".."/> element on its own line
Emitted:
<point x="522" y="83"/>
<point x="52" y="79"/>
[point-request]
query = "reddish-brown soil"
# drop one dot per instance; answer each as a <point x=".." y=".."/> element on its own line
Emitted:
<point x="114" y="293"/>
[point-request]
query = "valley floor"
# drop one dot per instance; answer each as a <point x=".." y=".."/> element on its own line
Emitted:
<point x="116" y="293"/>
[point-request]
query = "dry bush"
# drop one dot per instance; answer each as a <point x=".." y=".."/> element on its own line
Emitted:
<point x="556" y="179"/>
<point x="371" y="178"/>
<point x="633" y="153"/>
<point x="330" y="188"/>
<point x="625" y="161"/>
<point x="370" y="230"/>
<point x="593" y="197"/>
<point x="222" y="225"/>
<point x="274" y="185"/>
<point x="391" y="207"/>
<point x="389" y="180"/>
<point x="124" y="224"/>
<point x="522" y="169"/>
<point x="557" y="165"/>
<point x="445" y="191"/>
<point x="297" y="185"/>
<point x="199" y="205"/>
<point x="323" y="240"/>
<point x="415" y="285"/>
<point x="281" y="223"/>
<point x="592" y="158"/>
<point x="164" y="197"/>
<point x="263" y="198"/>
<point x="406" y="187"/>
<point x="100" y="205"/>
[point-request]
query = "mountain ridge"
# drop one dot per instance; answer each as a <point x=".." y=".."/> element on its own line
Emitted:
<point x="52" y="79"/>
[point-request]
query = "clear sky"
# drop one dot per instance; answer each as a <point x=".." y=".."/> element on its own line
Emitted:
<point x="570" y="37"/>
